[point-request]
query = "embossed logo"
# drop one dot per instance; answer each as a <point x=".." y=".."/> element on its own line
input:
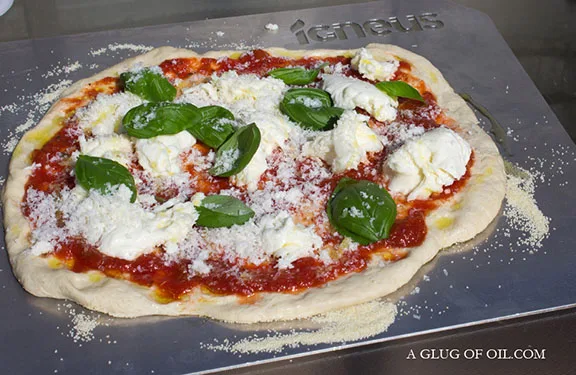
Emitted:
<point x="377" y="27"/>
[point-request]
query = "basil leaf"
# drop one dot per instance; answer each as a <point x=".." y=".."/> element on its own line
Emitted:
<point x="295" y="76"/>
<point x="313" y="98"/>
<point x="218" y="211"/>
<point x="401" y="89"/>
<point x="361" y="210"/>
<point x="101" y="174"/>
<point x="322" y="118"/>
<point x="214" y="127"/>
<point x="310" y="108"/>
<point x="236" y="152"/>
<point x="148" y="85"/>
<point x="153" y="119"/>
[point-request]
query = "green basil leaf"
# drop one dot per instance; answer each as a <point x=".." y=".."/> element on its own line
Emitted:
<point x="218" y="211"/>
<point x="215" y="126"/>
<point x="399" y="89"/>
<point x="153" y="119"/>
<point x="236" y="152"/>
<point x="310" y="108"/>
<point x="148" y="85"/>
<point x="313" y="98"/>
<point x="295" y="76"/>
<point x="361" y="210"/>
<point x="323" y="118"/>
<point x="101" y="173"/>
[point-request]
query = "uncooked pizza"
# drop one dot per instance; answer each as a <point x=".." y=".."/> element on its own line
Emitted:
<point x="247" y="186"/>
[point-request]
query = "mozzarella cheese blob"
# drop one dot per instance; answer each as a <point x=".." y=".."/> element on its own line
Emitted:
<point x="104" y="115"/>
<point x="349" y="93"/>
<point x="274" y="129"/>
<point x="250" y="175"/>
<point x="119" y="228"/>
<point x="347" y="145"/>
<point x="161" y="155"/>
<point x="238" y="93"/>
<point x="252" y="100"/>
<point x="372" y="69"/>
<point x="115" y="147"/>
<point x="426" y="164"/>
<point x="287" y="241"/>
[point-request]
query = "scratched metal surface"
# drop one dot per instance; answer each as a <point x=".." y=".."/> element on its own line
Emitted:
<point x="495" y="281"/>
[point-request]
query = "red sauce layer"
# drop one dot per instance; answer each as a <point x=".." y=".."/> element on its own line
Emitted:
<point x="257" y="62"/>
<point x="171" y="281"/>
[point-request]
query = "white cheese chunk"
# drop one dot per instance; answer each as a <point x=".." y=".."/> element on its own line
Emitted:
<point x="249" y="90"/>
<point x="322" y="146"/>
<point x="372" y="69"/>
<point x="124" y="230"/>
<point x="246" y="92"/>
<point x="347" y="145"/>
<point x="349" y="93"/>
<point x="252" y="100"/>
<point x="104" y="115"/>
<point x="117" y="227"/>
<point x="275" y="130"/>
<point x="115" y="147"/>
<point x="287" y="241"/>
<point x="161" y="155"/>
<point x="250" y="175"/>
<point x="424" y="165"/>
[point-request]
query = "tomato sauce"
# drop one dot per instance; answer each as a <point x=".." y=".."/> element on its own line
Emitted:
<point x="171" y="280"/>
<point x="256" y="62"/>
<point x="53" y="172"/>
<point x="226" y="277"/>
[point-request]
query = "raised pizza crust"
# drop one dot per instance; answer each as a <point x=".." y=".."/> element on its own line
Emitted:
<point x="465" y="215"/>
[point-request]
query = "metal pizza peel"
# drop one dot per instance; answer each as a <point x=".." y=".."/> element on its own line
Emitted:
<point x="491" y="279"/>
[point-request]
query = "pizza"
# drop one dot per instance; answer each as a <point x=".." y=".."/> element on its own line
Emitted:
<point x="247" y="186"/>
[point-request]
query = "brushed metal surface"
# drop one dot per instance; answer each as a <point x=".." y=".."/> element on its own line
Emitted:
<point x="468" y="289"/>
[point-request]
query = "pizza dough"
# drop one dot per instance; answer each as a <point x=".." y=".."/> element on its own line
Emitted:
<point x="468" y="213"/>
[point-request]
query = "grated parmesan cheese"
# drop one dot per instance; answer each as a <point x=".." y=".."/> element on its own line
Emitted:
<point x="345" y="325"/>
<point x="397" y="133"/>
<point x="39" y="102"/>
<point x="83" y="327"/>
<point x="227" y="159"/>
<point x="104" y="115"/>
<point x="521" y="209"/>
